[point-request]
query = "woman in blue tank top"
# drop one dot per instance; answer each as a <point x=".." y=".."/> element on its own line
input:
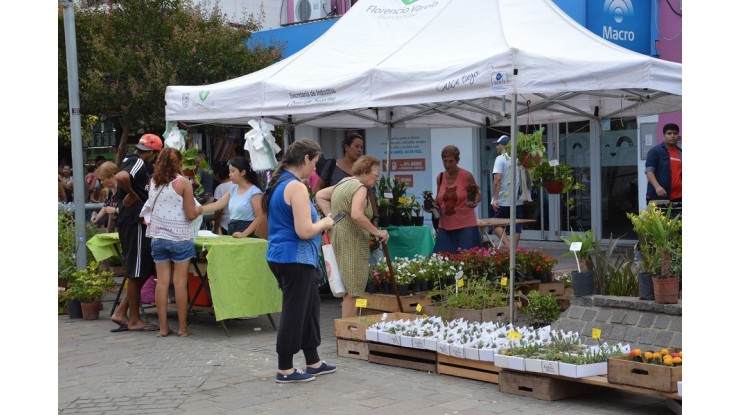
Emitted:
<point x="294" y="235"/>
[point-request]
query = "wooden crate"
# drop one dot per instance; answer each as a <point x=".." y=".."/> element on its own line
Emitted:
<point x="466" y="368"/>
<point x="624" y="371"/>
<point x="555" y="288"/>
<point x="352" y="348"/>
<point x="541" y="387"/>
<point x="416" y="359"/>
<point x="353" y="328"/>
<point x="387" y="302"/>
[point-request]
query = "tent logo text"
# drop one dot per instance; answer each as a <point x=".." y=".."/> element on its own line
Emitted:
<point x="400" y="11"/>
<point x="203" y="95"/>
<point x="185" y="99"/>
<point x="619" y="9"/>
<point x="465" y="79"/>
<point x="499" y="81"/>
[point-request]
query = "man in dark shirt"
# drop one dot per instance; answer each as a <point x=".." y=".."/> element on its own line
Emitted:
<point x="663" y="168"/>
<point x="133" y="191"/>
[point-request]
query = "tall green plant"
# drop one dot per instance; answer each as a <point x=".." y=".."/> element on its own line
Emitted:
<point x="660" y="238"/>
<point x="588" y="247"/>
<point x="67" y="244"/>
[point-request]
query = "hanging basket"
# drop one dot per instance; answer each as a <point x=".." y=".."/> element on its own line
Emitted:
<point x="526" y="160"/>
<point x="554" y="186"/>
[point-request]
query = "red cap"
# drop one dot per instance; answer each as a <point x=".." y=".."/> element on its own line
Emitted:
<point x="149" y="142"/>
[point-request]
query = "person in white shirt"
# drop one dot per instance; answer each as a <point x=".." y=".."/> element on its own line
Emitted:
<point x="221" y="217"/>
<point x="501" y="200"/>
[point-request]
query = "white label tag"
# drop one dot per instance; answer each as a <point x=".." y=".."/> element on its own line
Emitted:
<point x="575" y="246"/>
<point x="554" y="163"/>
<point x="388" y="195"/>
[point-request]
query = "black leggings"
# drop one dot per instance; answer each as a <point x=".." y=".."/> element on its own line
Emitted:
<point x="299" y="321"/>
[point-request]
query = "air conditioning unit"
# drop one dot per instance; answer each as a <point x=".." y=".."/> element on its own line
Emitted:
<point x="306" y="10"/>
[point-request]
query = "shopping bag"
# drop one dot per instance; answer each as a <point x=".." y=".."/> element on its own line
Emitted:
<point x="332" y="269"/>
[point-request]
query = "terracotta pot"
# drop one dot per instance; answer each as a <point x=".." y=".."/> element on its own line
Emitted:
<point x="666" y="290"/>
<point x="525" y="159"/>
<point x="554" y="187"/>
<point x="188" y="172"/>
<point x="90" y="311"/>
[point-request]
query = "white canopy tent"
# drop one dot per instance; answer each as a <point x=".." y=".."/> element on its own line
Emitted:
<point x="442" y="63"/>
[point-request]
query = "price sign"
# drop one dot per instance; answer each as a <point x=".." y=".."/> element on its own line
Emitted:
<point x="514" y="335"/>
<point x="418" y="308"/>
<point x="388" y="195"/>
<point x="403" y="200"/>
<point x="553" y="163"/>
<point x="460" y="283"/>
<point x="576" y="246"/>
<point x="504" y="281"/>
<point x="361" y="303"/>
<point x="596" y="333"/>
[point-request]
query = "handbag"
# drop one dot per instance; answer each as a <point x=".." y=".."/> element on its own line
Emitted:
<point x="146" y="210"/>
<point x="332" y="270"/>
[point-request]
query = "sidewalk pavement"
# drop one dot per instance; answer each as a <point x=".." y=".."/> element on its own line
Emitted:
<point x="210" y="373"/>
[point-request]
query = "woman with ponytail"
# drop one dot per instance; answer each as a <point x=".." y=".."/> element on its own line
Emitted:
<point x="293" y="254"/>
<point x="244" y="200"/>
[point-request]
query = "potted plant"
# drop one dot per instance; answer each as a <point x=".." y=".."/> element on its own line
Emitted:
<point x="529" y="148"/>
<point x="659" y="237"/>
<point x="88" y="286"/>
<point x="583" y="279"/>
<point x="418" y="219"/>
<point x="541" y="309"/>
<point x="558" y="178"/>
<point x="192" y="165"/>
<point x="384" y="210"/>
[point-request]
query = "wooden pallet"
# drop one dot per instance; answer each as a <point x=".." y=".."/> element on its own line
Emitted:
<point x="417" y="359"/>
<point x="387" y="302"/>
<point x="466" y="368"/>
<point x="352" y="348"/>
<point x="541" y="387"/>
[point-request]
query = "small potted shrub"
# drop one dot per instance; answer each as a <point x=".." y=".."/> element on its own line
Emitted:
<point x="541" y="309"/>
<point x="583" y="279"/>
<point x="88" y="286"/>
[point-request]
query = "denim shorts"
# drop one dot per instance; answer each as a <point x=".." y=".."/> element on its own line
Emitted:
<point x="164" y="250"/>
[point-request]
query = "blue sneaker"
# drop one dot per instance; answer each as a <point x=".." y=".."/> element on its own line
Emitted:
<point x="321" y="370"/>
<point x="297" y="376"/>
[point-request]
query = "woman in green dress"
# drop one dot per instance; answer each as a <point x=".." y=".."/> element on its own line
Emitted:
<point x="350" y="239"/>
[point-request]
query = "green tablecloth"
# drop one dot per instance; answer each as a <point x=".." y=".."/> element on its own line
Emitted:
<point x="407" y="241"/>
<point x="241" y="283"/>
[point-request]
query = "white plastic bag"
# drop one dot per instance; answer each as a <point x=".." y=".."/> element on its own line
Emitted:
<point x="332" y="271"/>
<point x="261" y="146"/>
<point x="175" y="137"/>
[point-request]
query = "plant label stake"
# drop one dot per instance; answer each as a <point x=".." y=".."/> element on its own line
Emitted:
<point x="457" y="279"/>
<point x="575" y="247"/>
<point x="554" y="164"/>
<point x="361" y="303"/>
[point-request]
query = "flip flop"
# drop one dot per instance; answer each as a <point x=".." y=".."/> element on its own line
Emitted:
<point x="149" y="327"/>
<point x="122" y="327"/>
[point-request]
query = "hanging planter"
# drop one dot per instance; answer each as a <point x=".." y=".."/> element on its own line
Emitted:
<point x="526" y="160"/>
<point x="554" y="186"/>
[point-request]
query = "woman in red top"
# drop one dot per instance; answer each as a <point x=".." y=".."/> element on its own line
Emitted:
<point x="457" y="197"/>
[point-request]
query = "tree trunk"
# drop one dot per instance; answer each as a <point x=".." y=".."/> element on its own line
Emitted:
<point x="665" y="262"/>
<point x="122" y="145"/>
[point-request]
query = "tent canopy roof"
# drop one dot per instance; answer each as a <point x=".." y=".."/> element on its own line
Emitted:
<point x="442" y="63"/>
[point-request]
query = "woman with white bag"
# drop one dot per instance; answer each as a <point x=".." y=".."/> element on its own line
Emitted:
<point x="350" y="239"/>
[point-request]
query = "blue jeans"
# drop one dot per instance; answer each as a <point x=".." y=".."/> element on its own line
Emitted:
<point x="164" y="250"/>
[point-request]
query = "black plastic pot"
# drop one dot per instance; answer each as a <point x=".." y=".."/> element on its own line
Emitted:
<point x="645" y="286"/>
<point x="583" y="283"/>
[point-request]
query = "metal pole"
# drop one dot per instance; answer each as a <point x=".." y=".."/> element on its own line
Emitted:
<point x="78" y="170"/>
<point x="512" y="208"/>
<point x="388" y="144"/>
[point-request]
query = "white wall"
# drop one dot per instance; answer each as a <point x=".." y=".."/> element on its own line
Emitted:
<point x="236" y="9"/>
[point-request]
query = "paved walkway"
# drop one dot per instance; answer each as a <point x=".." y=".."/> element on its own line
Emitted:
<point x="209" y="373"/>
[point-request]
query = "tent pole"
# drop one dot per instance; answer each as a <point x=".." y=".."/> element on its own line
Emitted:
<point x="388" y="116"/>
<point x="512" y="208"/>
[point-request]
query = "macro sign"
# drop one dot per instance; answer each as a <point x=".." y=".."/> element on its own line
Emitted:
<point x="622" y="22"/>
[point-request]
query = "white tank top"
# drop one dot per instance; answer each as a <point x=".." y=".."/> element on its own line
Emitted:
<point x="168" y="215"/>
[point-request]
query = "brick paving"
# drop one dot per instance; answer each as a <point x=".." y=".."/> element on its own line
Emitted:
<point x="100" y="372"/>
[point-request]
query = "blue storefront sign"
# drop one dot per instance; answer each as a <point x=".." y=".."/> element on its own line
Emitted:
<point x="626" y="23"/>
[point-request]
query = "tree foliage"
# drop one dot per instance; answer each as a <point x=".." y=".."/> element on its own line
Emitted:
<point x="129" y="53"/>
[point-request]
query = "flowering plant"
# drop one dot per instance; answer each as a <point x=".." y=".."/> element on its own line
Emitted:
<point x="472" y="192"/>
<point x="664" y="357"/>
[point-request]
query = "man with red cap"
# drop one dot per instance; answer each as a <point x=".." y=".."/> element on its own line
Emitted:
<point x="133" y="191"/>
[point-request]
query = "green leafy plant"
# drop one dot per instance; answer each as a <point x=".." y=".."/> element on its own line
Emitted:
<point x="541" y="309"/>
<point x="90" y="284"/>
<point x="588" y="247"/>
<point x="529" y="143"/>
<point x="660" y="241"/>
<point x="563" y="173"/>
<point x="67" y="243"/>
<point x="475" y="294"/>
